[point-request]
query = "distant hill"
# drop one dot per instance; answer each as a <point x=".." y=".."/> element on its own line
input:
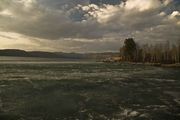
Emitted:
<point x="41" y="54"/>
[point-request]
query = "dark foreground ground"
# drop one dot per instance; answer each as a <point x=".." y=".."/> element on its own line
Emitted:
<point x="88" y="91"/>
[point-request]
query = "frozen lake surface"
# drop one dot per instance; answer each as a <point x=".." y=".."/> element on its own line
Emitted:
<point x="88" y="91"/>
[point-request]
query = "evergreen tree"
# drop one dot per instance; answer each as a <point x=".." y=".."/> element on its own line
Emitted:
<point x="129" y="49"/>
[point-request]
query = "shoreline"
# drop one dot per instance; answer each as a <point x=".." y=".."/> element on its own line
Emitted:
<point x="174" y="65"/>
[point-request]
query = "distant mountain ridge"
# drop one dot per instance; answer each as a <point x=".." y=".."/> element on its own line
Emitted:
<point x="42" y="54"/>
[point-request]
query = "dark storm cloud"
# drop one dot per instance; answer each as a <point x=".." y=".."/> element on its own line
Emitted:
<point x="93" y="20"/>
<point x="34" y="18"/>
<point x="62" y="4"/>
<point x="112" y="2"/>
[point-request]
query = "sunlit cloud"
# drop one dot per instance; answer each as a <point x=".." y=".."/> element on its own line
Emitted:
<point x="68" y="25"/>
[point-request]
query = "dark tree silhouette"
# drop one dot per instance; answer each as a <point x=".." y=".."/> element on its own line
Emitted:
<point x="164" y="53"/>
<point x="129" y="49"/>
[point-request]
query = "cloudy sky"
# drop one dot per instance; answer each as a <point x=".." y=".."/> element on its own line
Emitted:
<point x="86" y="25"/>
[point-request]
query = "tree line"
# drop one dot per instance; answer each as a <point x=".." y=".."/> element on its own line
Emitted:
<point x="159" y="53"/>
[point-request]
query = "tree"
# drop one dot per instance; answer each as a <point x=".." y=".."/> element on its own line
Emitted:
<point x="129" y="49"/>
<point x="158" y="53"/>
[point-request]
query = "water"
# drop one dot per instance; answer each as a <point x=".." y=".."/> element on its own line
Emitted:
<point x="88" y="91"/>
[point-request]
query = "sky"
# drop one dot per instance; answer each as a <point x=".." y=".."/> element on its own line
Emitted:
<point x="86" y="25"/>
